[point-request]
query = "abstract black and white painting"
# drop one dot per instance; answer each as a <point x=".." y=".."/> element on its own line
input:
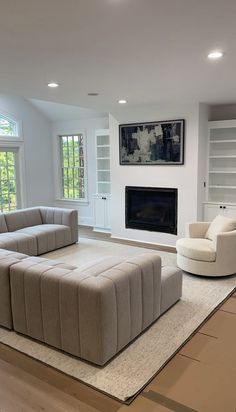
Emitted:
<point x="152" y="143"/>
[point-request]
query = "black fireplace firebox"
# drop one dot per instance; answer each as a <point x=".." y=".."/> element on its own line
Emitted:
<point x="151" y="208"/>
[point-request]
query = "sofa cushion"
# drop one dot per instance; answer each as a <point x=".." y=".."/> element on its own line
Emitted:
<point x="49" y="237"/>
<point x="58" y="216"/>
<point x="8" y="254"/>
<point x="23" y="218"/>
<point x="3" y="225"/>
<point x="197" y="249"/>
<point x="36" y="260"/>
<point x="19" y="242"/>
<point x="220" y="224"/>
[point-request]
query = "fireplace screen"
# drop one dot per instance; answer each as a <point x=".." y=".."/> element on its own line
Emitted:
<point x="151" y="208"/>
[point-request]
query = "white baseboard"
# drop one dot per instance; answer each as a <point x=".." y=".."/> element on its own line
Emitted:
<point x="100" y="230"/>
<point x="86" y="220"/>
<point x="141" y="242"/>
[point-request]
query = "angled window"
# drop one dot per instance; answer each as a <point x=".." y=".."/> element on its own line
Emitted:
<point x="8" y="127"/>
<point x="8" y="181"/>
<point x="73" y="167"/>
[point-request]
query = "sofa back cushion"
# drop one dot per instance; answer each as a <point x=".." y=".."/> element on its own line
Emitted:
<point x="23" y="218"/>
<point x="220" y="224"/>
<point x="3" y="225"/>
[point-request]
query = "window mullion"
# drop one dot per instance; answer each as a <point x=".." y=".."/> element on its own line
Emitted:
<point x="73" y="167"/>
<point x="8" y="183"/>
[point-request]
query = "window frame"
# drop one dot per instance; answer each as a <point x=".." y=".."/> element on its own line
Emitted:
<point x="16" y="144"/>
<point x="59" y="182"/>
<point x="18" y="148"/>
<point x="11" y="138"/>
<point x="17" y="180"/>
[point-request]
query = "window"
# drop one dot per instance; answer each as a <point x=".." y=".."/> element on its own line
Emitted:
<point x="11" y="163"/>
<point x="8" y="196"/>
<point x="73" y="166"/>
<point x="8" y="127"/>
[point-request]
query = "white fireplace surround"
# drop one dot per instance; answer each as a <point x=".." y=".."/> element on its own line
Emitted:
<point x="187" y="178"/>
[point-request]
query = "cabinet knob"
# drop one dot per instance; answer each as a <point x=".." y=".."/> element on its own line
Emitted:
<point x="104" y="198"/>
<point x="221" y="207"/>
<point x="224" y="207"/>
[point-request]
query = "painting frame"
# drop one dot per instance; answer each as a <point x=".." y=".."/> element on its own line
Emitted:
<point x="157" y="143"/>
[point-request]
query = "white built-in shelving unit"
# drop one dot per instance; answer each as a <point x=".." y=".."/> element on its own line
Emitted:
<point x="102" y="198"/>
<point x="221" y="179"/>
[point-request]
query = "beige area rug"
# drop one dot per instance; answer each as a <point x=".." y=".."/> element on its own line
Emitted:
<point x="128" y="372"/>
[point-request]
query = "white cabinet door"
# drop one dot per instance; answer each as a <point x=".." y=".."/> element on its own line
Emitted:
<point x="211" y="211"/>
<point x="108" y="213"/>
<point x="102" y="212"/>
<point x="230" y="211"/>
<point x="99" y="212"/>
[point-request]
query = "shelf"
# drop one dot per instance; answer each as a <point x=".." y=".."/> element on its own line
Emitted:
<point x="103" y="180"/>
<point x="100" y="195"/>
<point x="223" y="141"/>
<point x="223" y="171"/>
<point x="220" y="203"/>
<point x="223" y="157"/>
<point x="221" y="187"/>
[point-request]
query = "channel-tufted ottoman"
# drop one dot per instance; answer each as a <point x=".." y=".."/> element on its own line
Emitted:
<point x="94" y="311"/>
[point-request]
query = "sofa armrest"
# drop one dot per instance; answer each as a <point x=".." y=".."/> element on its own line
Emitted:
<point x="197" y="229"/>
<point x="225" y="245"/>
<point x="59" y="216"/>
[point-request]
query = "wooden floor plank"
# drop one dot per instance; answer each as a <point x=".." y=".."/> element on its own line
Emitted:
<point x="229" y="306"/>
<point x="66" y="384"/>
<point x="143" y="404"/>
<point x="211" y="351"/>
<point x="21" y="391"/>
<point x="196" y="385"/>
<point x="221" y="324"/>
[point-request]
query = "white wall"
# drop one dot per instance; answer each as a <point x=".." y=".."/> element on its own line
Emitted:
<point x="37" y="145"/>
<point x="222" y="112"/>
<point x="183" y="177"/>
<point x="88" y="126"/>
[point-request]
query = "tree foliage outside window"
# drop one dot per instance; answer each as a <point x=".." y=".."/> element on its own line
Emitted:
<point x="73" y="167"/>
<point x="8" y="198"/>
<point x="8" y="127"/>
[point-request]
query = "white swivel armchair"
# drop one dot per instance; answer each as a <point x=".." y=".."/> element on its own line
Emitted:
<point x="209" y="249"/>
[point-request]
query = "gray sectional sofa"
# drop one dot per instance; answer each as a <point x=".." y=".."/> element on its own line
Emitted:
<point x="92" y="311"/>
<point x="38" y="230"/>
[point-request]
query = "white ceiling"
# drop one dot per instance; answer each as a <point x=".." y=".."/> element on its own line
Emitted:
<point x="146" y="51"/>
<point x="57" y="111"/>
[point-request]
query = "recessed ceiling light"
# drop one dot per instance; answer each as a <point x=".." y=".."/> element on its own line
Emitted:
<point x="122" y="101"/>
<point x="93" y="94"/>
<point x="215" y="55"/>
<point x="53" y="84"/>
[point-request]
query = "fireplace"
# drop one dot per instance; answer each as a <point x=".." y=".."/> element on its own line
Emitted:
<point x="151" y="208"/>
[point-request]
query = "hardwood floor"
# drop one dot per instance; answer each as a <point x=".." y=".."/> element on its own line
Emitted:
<point x="87" y="232"/>
<point x="200" y="377"/>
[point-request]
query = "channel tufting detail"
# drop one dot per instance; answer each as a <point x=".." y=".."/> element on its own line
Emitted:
<point x="94" y="311"/>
